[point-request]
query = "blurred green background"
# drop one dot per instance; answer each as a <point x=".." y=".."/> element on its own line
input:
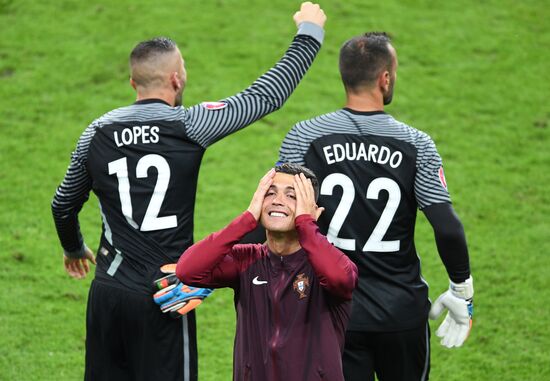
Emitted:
<point x="473" y="74"/>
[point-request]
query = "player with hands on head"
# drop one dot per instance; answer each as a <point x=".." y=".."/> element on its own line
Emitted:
<point x="142" y="161"/>
<point x="292" y="293"/>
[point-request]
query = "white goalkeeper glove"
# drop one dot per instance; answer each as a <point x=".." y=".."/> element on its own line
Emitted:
<point x="458" y="300"/>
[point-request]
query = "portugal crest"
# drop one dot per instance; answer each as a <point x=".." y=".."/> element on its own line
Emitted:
<point x="301" y="284"/>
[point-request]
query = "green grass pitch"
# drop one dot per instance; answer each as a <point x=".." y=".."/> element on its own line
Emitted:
<point x="473" y="74"/>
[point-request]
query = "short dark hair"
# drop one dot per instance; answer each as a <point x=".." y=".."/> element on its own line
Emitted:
<point x="147" y="49"/>
<point x="363" y="58"/>
<point x="295" y="169"/>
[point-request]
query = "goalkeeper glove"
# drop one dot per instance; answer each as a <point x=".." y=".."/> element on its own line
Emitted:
<point x="175" y="297"/>
<point x="458" y="300"/>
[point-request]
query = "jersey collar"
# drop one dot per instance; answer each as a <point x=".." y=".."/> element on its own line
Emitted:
<point x="151" y="100"/>
<point x="378" y="112"/>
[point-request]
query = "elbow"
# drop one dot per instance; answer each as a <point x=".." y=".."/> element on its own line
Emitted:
<point x="351" y="280"/>
<point x="346" y="282"/>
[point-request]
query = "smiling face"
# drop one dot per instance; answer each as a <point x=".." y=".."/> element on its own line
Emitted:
<point x="279" y="206"/>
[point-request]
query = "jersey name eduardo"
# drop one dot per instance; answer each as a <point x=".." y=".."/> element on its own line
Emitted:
<point x="362" y="152"/>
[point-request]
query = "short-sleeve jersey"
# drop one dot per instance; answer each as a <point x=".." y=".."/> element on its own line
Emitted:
<point x="374" y="173"/>
<point x="142" y="162"/>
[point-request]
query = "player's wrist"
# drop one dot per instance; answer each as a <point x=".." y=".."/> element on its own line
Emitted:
<point x="76" y="254"/>
<point x="311" y="29"/>
<point x="463" y="290"/>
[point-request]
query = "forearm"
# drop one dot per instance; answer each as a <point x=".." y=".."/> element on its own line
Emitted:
<point x="68" y="231"/>
<point x="336" y="272"/>
<point x="275" y="86"/>
<point x="208" y="262"/>
<point x="265" y="95"/>
<point x="67" y="203"/>
<point x="450" y="240"/>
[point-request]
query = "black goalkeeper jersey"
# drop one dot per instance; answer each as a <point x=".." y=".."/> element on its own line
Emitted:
<point x="374" y="173"/>
<point x="142" y="162"/>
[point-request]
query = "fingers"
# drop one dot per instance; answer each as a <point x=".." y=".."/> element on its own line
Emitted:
<point x="169" y="268"/>
<point x="437" y="309"/>
<point x="310" y="13"/>
<point x="85" y="266"/>
<point x="90" y="256"/>
<point x="444" y="327"/>
<point x="73" y="268"/>
<point x="318" y="212"/>
<point x="78" y="268"/>
<point x="462" y="335"/>
<point x="265" y="183"/>
<point x="305" y="197"/>
<point x="452" y="332"/>
<point x="304" y="186"/>
<point x="299" y="188"/>
<point x="256" y="203"/>
<point x="269" y="175"/>
<point x="449" y="339"/>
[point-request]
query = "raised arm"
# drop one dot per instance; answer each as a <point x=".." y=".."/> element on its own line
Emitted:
<point x="209" y="122"/>
<point x="336" y="272"/>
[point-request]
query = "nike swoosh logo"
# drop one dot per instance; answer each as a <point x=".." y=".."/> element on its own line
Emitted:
<point x="258" y="282"/>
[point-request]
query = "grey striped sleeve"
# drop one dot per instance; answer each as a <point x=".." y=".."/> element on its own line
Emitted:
<point x="429" y="183"/>
<point x="265" y="95"/>
<point x="71" y="195"/>
<point x="294" y="147"/>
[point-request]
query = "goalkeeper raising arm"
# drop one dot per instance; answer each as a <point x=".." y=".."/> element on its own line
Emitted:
<point x="142" y="162"/>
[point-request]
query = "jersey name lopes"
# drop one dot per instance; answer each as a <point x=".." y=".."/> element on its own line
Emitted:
<point x="137" y="134"/>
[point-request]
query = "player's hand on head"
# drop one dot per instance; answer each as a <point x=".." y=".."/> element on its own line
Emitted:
<point x="305" y="197"/>
<point x="255" y="207"/>
<point x="456" y="326"/>
<point x="78" y="268"/>
<point x="310" y="12"/>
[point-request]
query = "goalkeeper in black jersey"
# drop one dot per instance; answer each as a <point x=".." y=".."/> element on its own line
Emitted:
<point x="142" y="162"/>
<point x="375" y="172"/>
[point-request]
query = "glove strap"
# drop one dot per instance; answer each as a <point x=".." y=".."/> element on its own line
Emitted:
<point x="464" y="290"/>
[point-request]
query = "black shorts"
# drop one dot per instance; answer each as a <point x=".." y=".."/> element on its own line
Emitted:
<point x="393" y="356"/>
<point x="128" y="338"/>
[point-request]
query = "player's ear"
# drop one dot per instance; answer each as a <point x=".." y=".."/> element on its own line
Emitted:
<point x="133" y="83"/>
<point x="384" y="81"/>
<point x="175" y="81"/>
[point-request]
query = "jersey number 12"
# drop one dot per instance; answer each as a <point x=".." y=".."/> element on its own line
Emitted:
<point x="151" y="221"/>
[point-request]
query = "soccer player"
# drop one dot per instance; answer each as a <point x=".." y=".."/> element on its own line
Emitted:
<point x="375" y="172"/>
<point x="292" y="294"/>
<point x="142" y="162"/>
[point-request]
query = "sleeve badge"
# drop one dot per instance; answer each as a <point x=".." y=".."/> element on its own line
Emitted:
<point x="214" y="105"/>
<point x="442" y="178"/>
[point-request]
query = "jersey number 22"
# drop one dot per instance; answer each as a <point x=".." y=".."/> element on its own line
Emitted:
<point x="375" y="241"/>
